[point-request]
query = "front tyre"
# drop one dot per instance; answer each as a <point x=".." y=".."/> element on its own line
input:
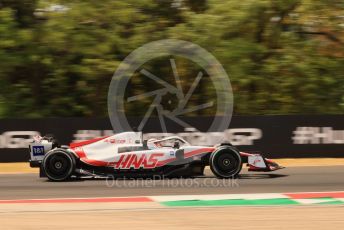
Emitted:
<point x="225" y="162"/>
<point x="58" y="165"/>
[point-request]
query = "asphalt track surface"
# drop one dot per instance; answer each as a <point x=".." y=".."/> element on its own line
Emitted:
<point x="293" y="179"/>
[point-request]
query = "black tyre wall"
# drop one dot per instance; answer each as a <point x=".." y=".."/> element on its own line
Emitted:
<point x="225" y="162"/>
<point x="59" y="165"/>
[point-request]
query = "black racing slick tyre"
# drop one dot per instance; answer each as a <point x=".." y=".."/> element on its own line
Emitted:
<point x="59" y="165"/>
<point x="225" y="162"/>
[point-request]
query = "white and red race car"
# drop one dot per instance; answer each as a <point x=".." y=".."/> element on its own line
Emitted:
<point x="127" y="155"/>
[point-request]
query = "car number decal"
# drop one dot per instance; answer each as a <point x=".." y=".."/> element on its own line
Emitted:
<point x="38" y="150"/>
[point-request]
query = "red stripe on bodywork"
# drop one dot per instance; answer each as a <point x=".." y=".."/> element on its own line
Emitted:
<point x="80" y="152"/>
<point x="198" y="151"/>
<point x="97" y="163"/>
<point x="243" y="154"/>
<point x="79" y="200"/>
<point x="165" y="162"/>
<point x="315" y="195"/>
<point x="82" y="143"/>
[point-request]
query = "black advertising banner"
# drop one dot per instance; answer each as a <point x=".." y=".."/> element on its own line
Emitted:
<point x="274" y="136"/>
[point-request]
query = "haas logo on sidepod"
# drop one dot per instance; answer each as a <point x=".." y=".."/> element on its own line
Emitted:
<point x="138" y="161"/>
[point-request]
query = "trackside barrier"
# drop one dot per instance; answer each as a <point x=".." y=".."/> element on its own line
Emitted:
<point x="289" y="136"/>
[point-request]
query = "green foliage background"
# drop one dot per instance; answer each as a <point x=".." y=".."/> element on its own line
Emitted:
<point x="283" y="56"/>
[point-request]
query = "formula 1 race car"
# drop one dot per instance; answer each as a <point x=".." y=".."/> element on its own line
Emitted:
<point x="127" y="155"/>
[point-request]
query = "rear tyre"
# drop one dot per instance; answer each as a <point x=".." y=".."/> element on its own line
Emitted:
<point x="58" y="165"/>
<point x="225" y="162"/>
